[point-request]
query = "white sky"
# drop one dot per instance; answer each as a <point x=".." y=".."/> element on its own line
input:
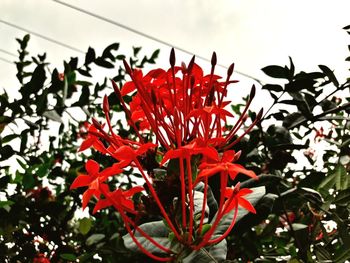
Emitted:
<point x="251" y="33"/>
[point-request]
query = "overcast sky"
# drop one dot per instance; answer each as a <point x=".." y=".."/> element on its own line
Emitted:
<point x="251" y="33"/>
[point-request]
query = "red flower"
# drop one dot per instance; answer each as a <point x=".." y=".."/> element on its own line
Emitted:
<point x="235" y="198"/>
<point x="224" y="166"/>
<point x="41" y="258"/>
<point x="120" y="199"/>
<point x="191" y="149"/>
<point x="184" y="112"/>
<point x="94" y="180"/>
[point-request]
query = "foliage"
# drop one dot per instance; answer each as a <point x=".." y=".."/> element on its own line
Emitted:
<point x="40" y="132"/>
<point x="309" y="192"/>
<point x="307" y="186"/>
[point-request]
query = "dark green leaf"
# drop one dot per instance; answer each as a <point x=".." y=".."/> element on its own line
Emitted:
<point x="90" y="56"/>
<point x="276" y="72"/>
<point x="343" y="198"/>
<point x="35" y="84"/>
<point x="136" y="50"/>
<point x="273" y="87"/>
<point x="70" y="257"/>
<point x="9" y="138"/>
<point x="93" y="239"/>
<point x="107" y="52"/>
<point x="103" y="63"/>
<point x="6" y="152"/>
<point x="292" y="119"/>
<point x="342" y="177"/>
<point x="84" y="97"/>
<point x="157" y="230"/>
<point x="300" y="84"/>
<point x="52" y="115"/>
<point x="329" y="73"/>
<point x="213" y="254"/>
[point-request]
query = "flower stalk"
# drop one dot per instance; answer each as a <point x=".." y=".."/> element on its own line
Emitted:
<point x="182" y="113"/>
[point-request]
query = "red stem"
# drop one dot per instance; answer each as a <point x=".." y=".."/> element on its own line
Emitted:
<point x="205" y="192"/>
<point x="156" y="198"/>
<point x="190" y="193"/>
<point x="183" y="193"/>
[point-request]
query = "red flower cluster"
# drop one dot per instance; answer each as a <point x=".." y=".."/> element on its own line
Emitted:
<point x="183" y="112"/>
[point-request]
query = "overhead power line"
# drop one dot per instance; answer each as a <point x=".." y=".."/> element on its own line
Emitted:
<point x="7" y="52"/>
<point x="115" y="23"/>
<point x="6" y="60"/>
<point x="42" y="36"/>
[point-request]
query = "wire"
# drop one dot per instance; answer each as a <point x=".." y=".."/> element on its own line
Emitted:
<point x="41" y="36"/>
<point x="6" y="60"/>
<point x="115" y="23"/>
<point x="7" y="52"/>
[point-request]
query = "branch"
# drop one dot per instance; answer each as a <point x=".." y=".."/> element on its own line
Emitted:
<point x="317" y="117"/>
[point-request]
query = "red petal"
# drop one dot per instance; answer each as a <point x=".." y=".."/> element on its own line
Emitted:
<point x="231" y="206"/>
<point x="102" y="203"/>
<point x="145" y="147"/>
<point x="92" y="167"/>
<point x="211" y="153"/>
<point x="109" y="171"/>
<point x="235" y="169"/>
<point x="137" y="115"/>
<point x="244" y="191"/>
<point x="87" y="196"/>
<point x="246" y="205"/>
<point x="128" y="205"/>
<point x="228" y="192"/>
<point x="133" y="191"/>
<point x="228" y="156"/>
<point x="210" y="172"/>
<point x="171" y="154"/>
<point x="127" y="88"/>
<point x="124" y="153"/>
<point x="87" y="144"/>
<point x="80" y="181"/>
<point x="98" y="145"/>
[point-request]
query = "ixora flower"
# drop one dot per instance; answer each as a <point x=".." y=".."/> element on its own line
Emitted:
<point x="181" y="138"/>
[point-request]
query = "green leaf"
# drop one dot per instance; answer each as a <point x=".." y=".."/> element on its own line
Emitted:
<point x="93" y="239"/>
<point x="298" y="226"/>
<point x="103" y="63"/>
<point x="272" y="87"/>
<point x="70" y="257"/>
<point x="157" y="230"/>
<point x="28" y="181"/>
<point x="6" y="205"/>
<point x="329" y="73"/>
<point x="9" y="138"/>
<point x="276" y="72"/>
<point x="6" y="152"/>
<point x="136" y="50"/>
<point x="343" y="198"/>
<point x="85" y="225"/>
<point x="215" y="253"/>
<point x="84" y="97"/>
<point x="342" y="177"/>
<point x="305" y="83"/>
<point x="328" y="182"/>
<point x="343" y="255"/>
<point x="90" y="56"/>
<point x="107" y="52"/>
<point x="53" y="115"/>
<point x="35" y="84"/>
